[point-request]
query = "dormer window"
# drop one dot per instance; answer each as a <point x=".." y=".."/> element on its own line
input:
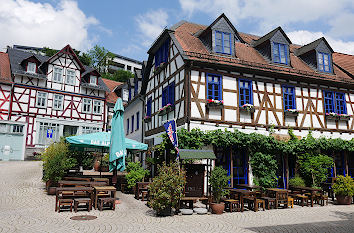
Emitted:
<point x="323" y="62"/>
<point x="31" y="67"/>
<point x="280" y="53"/>
<point x="222" y="42"/>
<point x="93" y="80"/>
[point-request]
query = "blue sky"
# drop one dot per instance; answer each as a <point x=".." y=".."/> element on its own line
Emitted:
<point x="129" y="27"/>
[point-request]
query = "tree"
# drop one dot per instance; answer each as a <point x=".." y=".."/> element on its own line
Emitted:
<point x="101" y="58"/>
<point x="119" y="75"/>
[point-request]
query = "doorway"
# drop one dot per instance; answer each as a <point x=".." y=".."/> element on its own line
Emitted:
<point x="194" y="180"/>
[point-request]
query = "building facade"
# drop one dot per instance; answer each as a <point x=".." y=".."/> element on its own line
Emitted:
<point x="124" y="63"/>
<point x="214" y="77"/>
<point x="54" y="96"/>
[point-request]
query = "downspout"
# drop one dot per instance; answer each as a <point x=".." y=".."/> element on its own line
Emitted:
<point x="10" y="104"/>
<point x="188" y="83"/>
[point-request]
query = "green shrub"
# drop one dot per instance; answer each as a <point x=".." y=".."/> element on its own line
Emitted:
<point x="135" y="173"/>
<point x="167" y="188"/>
<point x="264" y="168"/>
<point x="297" y="181"/>
<point x="344" y="186"/>
<point x="105" y="160"/>
<point x="219" y="181"/>
<point x="56" y="161"/>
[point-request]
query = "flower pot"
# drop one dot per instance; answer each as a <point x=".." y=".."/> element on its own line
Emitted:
<point x="217" y="208"/>
<point x="96" y="166"/>
<point x="50" y="187"/>
<point x="165" y="212"/>
<point x="343" y="200"/>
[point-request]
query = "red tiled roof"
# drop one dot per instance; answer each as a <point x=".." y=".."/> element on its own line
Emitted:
<point x="111" y="96"/>
<point x="247" y="56"/>
<point x="5" y="71"/>
<point x="345" y="61"/>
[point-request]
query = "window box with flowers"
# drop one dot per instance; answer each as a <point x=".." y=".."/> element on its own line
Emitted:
<point x="331" y="116"/>
<point x="248" y="108"/>
<point x="343" y="117"/>
<point x="166" y="109"/>
<point x="147" y="119"/>
<point x="211" y="103"/>
<point x="291" y="112"/>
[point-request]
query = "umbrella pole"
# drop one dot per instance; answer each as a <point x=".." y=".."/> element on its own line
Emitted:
<point x="101" y="164"/>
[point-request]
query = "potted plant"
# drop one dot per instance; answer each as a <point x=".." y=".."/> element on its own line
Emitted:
<point x="167" y="188"/>
<point x="218" y="181"/>
<point x="56" y="163"/>
<point x="165" y="109"/>
<point x="344" y="190"/>
<point x="135" y="173"/>
<point x="105" y="163"/>
<point x="248" y="107"/>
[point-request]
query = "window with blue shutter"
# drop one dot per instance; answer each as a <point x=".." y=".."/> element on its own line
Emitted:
<point x="137" y="120"/>
<point x="335" y="102"/>
<point x="130" y="95"/>
<point x="280" y="53"/>
<point x="148" y="107"/>
<point x="289" y="97"/>
<point x="127" y="126"/>
<point x="161" y="55"/>
<point x="245" y="90"/>
<point x="168" y="95"/>
<point x="132" y="124"/>
<point x="340" y="103"/>
<point x="214" y="87"/>
<point x="222" y="42"/>
<point x="324" y="62"/>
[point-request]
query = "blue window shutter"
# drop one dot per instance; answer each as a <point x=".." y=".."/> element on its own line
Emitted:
<point x="137" y="120"/>
<point x="171" y="93"/>
<point x="127" y="126"/>
<point x="132" y="123"/>
<point x="148" y="107"/>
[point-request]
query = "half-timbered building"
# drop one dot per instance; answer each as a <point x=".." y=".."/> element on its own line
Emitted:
<point x="215" y="77"/>
<point x="54" y="96"/>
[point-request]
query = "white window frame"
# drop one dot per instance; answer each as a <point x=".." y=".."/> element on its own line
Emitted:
<point x="89" y="129"/>
<point x="72" y="77"/>
<point x="17" y="129"/>
<point x="89" y="104"/>
<point x="42" y="133"/>
<point x="31" y="67"/>
<point x="97" y="104"/>
<point x="45" y="97"/>
<point x="56" y="98"/>
<point x="57" y="73"/>
<point x="93" y="77"/>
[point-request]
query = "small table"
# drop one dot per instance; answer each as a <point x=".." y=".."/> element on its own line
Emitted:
<point x="73" y="189"/>
<point x="110" y="189"/>
<point x="189" y="200"/>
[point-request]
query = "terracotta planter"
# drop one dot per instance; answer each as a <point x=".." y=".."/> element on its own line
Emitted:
<point x="343" y="200"/>
<point x="50" y="187"/>
<point x="97" y="166"/>
<point x="217" y="208"/>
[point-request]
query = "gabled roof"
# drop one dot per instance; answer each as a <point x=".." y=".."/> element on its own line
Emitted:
<point x="68" y="50"/>
<point x="111" y="96"/>
<point x="248" y="58"/>
<point x="311" y="46"/>
<point x="269" y="35"/>
<point x="5" y="72"/>
<point x="228" y="21"/>
<point x="345" y="62"/>
<point x="30" y="56"/>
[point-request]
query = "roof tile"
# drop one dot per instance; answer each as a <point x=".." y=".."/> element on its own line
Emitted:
<point x="5" y="72"/>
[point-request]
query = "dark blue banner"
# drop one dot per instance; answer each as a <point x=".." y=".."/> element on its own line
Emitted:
<point x="171" y="131"/>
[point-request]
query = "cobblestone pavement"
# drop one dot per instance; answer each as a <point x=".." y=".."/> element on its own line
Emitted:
<point x="25" y="207"/>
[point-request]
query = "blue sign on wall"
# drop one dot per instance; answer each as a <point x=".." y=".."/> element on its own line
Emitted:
<point x="49" y="133"/>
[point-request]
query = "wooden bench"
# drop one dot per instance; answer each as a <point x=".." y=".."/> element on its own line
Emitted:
<point x="65" y="202"/>
<point x="78" y="201"/>
<point x="232" y="204"/>
<point x="107" y="201"/>
<point x="302" y="198"/>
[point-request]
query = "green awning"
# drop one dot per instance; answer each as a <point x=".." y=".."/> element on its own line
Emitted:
<point x="196" y="154"/>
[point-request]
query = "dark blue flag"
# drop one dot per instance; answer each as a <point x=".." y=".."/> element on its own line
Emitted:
<point x="171" y="131"/>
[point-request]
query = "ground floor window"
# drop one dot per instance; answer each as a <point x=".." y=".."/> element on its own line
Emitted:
<point x="87" y="130"/>
<point x="47" y="133"/>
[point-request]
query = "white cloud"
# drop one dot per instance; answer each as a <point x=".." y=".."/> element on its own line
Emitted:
<point x="151" y="24"/>
<point x="42" y="24"/>
<point x="305" y="37"/>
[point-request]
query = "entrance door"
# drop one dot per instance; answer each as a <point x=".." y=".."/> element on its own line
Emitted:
<point x="195" y="180"/>
<point x="240" y="167"/>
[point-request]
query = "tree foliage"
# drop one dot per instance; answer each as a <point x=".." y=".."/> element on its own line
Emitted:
<point x="264" y="168"/>
<point x="135" y="173"/>
<point x="119" y="75"/>
<point x="219" y="181"/>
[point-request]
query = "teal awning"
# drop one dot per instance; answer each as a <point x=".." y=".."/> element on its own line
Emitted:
<point x="102" y="140"/>
<point x="196" y="154"/>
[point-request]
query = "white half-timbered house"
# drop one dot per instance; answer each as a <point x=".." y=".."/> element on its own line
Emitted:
<point x="55" y="96"/>
<point x="214" y="77"/>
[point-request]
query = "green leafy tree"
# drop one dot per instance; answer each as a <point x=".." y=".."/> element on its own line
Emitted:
<point x="101" y="58"/>
<point x="314" y="168"/>
<point x="264" y="168"/>
<point x="167" y="188"/>
<point x="297" y="181"/>
<point x="219" y="181"/>
<point x="135" y="173"/>
<point x="119" y="75"/>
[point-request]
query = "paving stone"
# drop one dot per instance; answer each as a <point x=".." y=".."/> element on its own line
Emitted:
<point x="25" y="207"/>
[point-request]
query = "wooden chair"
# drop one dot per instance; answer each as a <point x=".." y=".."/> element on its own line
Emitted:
<point x="291" y="202"/>
<point x="281" y="198"/>
<point x="110" y="201"/>
<point x="78" y="201"/>
<point x="253" y="202"/>
<point x="65" y="202"/>
<point x="302" y="198"/>
<point x="143" y="195"/>
<point x="232" y="204"/>
<point x="270" y="202"/>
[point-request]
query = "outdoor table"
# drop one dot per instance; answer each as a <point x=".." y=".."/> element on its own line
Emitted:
<point x="110" y="189"/>
<point x="138" y="188"/>
<point x="73" y="189"/>
<point x="63" y="183"/>
<point x="277" y="190"/>
<point x="247" y="186"/>
<point x="189" y="200"/>
<point x="243" y="193"/>
<point x="308" y="189"/>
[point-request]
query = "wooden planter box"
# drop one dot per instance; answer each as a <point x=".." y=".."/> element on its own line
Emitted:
<point x="244" y="109"/>
<point x="333" y="118"/>
<point x="166" y="110"/>
<point x="214" y="105"/>
<point x="291" y="114"/>
<point x="344" y="118"/>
